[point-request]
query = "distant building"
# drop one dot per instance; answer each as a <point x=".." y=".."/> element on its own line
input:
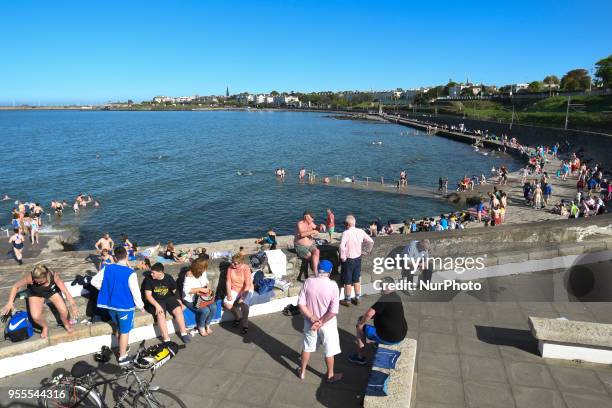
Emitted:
<point x="410" y="94"/>
<point x="514" y="88"/>
<point x="455" y="91"/>
<point x="163" y="99"/>
<point x="387" y="96"/>
<point x="286" y="100"/>
<point x="245" y="98"/>
<point x="184" y="99"/>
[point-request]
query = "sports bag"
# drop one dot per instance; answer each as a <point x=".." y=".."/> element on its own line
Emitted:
<point x="258" y="260"/>
<point x="157" y="355"/>
<point x="19" y="327"/>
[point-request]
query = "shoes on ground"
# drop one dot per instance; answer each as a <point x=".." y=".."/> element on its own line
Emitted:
<point x="354" y="358"/>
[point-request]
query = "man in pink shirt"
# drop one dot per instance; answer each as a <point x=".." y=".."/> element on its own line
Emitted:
<point x="351" y="245"/>
<point x="318" y="303"/>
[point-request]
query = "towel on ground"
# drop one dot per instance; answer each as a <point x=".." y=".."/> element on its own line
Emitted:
<point x="281" y="284"/>
<point x="386" y="358"/>
<point x="221" y="254"/>
<point x="277" y="262"/>
<point x="377" y="384"/>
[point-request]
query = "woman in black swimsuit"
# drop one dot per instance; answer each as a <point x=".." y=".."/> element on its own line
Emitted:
<point x="43" y="284"/>
<point x="17" y="241"/>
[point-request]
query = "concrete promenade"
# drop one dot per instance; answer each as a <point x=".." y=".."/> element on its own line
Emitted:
<point x="470" y="354"/>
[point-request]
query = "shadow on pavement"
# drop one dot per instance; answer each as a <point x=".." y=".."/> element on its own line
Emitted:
<point x="502" y="336"/>
<point x="346" y="393"/>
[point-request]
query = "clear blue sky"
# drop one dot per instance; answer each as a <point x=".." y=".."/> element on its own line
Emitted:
<point x="95" y="51"/>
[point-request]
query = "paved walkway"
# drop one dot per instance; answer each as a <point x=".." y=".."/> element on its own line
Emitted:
<point x="470" y="354"/>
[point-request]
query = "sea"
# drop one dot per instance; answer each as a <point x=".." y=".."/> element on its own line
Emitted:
<point x="203" y="176"/>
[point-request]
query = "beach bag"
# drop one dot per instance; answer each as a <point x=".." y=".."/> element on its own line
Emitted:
<point x="265" y="286"/>
<point x="203" y="301"/>
<point x="258" y="260"/>
<point x="19" y="327"/>
<point x="262" y="285"/>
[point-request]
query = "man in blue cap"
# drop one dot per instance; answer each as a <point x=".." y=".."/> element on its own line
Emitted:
<point x="318" y="302"/>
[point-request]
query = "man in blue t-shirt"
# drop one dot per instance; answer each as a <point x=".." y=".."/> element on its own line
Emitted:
<point x="547" y="192"/>
<point x="443" y="222"/>
<point x="120" y="295"/>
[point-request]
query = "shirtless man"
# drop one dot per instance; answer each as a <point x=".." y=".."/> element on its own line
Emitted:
<point x="305" y="247"/>
<point x="302" y="174"/>
<point x="403" y="179"/>
<point x="105" y="243"/>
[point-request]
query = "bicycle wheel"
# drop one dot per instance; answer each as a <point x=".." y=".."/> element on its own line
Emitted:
<point x="159" y="398"/>
<point x="67" y="396"/>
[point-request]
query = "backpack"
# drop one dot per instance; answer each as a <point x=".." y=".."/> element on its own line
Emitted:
<point x="19" y="327"/>
<point x="258" y="260"/>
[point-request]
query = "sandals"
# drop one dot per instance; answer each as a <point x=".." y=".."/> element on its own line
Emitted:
<point x="299" y="373"/>
<point x="291" y="310"/>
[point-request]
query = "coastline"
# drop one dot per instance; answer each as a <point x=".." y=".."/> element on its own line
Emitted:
<point x="68" y="239"/>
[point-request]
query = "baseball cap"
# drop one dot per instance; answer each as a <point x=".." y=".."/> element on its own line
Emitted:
<point x="325" y="266"/>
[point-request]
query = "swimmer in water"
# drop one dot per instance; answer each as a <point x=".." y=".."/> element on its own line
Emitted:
<point x="302" y="174"/>
<point x="6" y="198"/>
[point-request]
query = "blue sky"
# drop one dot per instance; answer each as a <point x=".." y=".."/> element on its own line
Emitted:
<point x="95" y="51"/>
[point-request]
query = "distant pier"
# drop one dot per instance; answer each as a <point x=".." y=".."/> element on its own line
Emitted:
<point x="372" y="184"/>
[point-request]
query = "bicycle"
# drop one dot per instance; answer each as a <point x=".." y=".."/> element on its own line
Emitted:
<point x="79" y="389"/>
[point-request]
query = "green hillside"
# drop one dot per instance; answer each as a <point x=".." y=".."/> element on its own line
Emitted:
<point x="592" y="113"/>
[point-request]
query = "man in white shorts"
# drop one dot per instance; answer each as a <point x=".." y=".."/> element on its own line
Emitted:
<point x="318" y="302"/>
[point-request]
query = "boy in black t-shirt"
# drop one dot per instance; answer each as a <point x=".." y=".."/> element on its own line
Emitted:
<point x="389" y="327"/>
<point x="159" y="297"/>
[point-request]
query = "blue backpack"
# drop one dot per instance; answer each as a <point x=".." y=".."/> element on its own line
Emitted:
<point x="19" y="327"/>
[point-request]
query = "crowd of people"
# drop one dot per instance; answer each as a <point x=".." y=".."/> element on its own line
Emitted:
<point x="119" y="293"/>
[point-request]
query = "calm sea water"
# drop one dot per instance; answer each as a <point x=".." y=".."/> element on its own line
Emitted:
<point x="173" y="175"/>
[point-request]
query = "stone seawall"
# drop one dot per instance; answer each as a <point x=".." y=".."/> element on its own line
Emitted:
<point x="595" y="146"/>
